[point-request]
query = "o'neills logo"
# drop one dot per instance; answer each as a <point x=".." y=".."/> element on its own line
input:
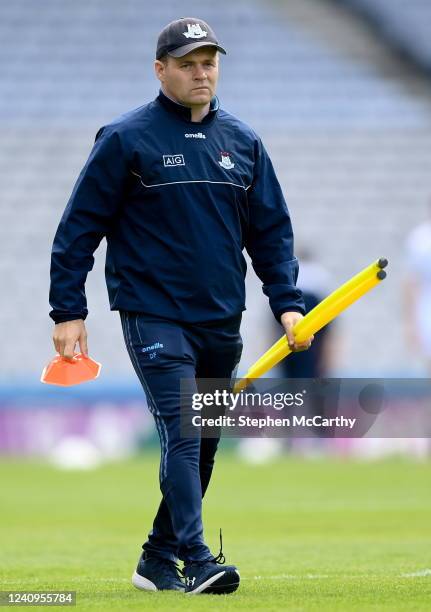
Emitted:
<point x="153" y="347"/>
<point x="195" y="135"/>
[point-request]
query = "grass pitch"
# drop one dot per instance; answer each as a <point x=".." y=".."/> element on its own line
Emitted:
<point x="306" y="535"/>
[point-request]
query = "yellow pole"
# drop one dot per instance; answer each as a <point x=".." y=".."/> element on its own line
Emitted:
<point x="321" y="315"/>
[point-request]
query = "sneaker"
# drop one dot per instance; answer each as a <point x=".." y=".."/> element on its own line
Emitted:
<point x="208" y="577"/>
<point x="157" y="574"/>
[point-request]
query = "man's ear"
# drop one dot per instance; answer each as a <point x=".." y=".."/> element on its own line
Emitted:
<point x="159" y="69"/>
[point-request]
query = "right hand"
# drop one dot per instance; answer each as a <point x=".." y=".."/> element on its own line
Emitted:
<point x="289" y="320"/>
<point x="67" y="334"/>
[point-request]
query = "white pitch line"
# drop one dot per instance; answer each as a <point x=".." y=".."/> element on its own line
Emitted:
<point x="287" y="577"/>
<point x="74" y="580"/>
<point x="419" y="574"/>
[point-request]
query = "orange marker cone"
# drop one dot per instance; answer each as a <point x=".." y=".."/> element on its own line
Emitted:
<point x="65" y="372"/>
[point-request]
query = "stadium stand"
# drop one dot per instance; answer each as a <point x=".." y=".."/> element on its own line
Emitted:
<point x="405" y="25"/>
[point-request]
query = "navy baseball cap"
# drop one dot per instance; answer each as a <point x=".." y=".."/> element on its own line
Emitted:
<point x="184" y="35"/>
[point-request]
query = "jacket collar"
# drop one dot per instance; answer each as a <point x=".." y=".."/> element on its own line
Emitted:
<point x="184" y="112"/>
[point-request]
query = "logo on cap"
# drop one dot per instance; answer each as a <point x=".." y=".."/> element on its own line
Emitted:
<point x="194" y="30"/>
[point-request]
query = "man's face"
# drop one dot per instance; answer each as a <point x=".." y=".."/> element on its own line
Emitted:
<point x="192" y="79"/>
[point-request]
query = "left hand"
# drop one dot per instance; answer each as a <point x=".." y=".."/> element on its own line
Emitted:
<point x="289" y="320"/>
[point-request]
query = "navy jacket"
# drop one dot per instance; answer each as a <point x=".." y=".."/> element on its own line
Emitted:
<point x="177" y="201"/>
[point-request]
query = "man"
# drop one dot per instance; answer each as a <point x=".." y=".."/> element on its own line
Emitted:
<point x="178" y="187"/>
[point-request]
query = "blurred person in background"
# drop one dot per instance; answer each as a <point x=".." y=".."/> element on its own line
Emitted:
<point x="319" y="360"/>
<point x="178" y="187"/>
<point x="417" y="290"/>
<point x="417" y="309"/>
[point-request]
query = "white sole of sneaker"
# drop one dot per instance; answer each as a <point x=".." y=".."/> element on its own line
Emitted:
<point x="143" y="583"/>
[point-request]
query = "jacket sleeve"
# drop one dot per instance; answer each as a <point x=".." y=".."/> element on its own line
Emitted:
<point x="269" y="240"/>
<point x="94" y="201"/>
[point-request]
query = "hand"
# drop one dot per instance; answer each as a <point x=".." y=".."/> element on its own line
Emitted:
<point x="289" y="320"/>
<point x="67" y="334"/>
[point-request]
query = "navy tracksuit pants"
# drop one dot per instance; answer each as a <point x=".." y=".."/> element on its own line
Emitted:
<point x="162" y="352"/>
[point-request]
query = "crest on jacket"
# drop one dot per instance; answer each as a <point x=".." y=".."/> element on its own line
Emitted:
<point x="194" y="30"/>
<point x="226" y="161"/>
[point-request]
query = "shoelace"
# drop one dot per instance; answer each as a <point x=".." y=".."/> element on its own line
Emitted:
<point x="220" y="559"/>
<point x="168" y="567"/>
<point x="180" y="572"/>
